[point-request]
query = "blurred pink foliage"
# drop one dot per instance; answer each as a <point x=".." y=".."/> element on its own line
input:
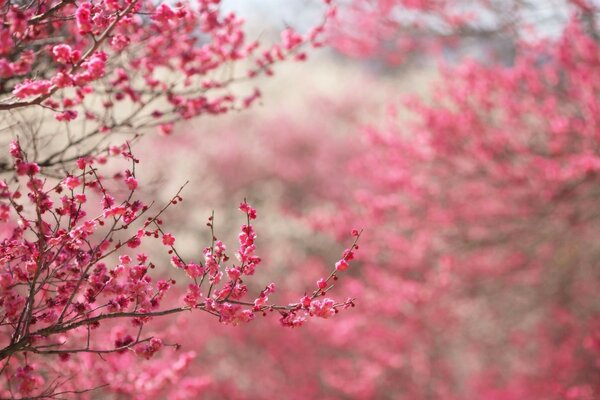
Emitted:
<point x="483" y="223"/>
<point x="478" y="269"/>
<point x="398" y="31"/>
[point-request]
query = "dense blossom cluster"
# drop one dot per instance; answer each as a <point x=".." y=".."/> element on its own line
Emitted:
<point x="73" y="43"/>
<point x="120" y="66"/>
<point x="76" y="286"/>
<point x="72" y="261"/>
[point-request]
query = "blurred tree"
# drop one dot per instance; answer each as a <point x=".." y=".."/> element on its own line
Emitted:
<point x="479" y="263"/>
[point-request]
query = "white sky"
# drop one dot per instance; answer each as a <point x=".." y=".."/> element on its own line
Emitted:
<point x="271" y="15"/>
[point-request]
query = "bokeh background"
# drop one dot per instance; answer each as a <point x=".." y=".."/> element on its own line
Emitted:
<point x="477" y="276"/>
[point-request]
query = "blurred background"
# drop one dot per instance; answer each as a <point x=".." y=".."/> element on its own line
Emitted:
<point x="462" y="137"/>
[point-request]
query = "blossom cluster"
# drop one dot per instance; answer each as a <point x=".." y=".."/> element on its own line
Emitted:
<point x="72" y="266"/>
<point x="59" y="44"/>
<point x="132" y="66"/>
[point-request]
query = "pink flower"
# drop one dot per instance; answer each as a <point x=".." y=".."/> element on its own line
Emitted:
<point x="83" y="17"/>
<point x="193" y="270"/>
<point x="114" y="211"/>
<point x="322" y="309"/>
<point x="124" y="259"/>
<point x="132" y="183"/>
<point x="32" y="88"/>
<point x="24" y="168"/>
<point x="62" y="53"/>
<point x="290" y="39"/>
<point x="166" y="129"/>
<point x="94" y="68"/>
<point x="134" y="242"/>
<point x="72" y="182"/>
<point x="233" y="273"/>
<point x="62" y="80"/>
<point x="305" y="301"/>
<point x="148" y="350"/>
<point x="119" y="42"/>
<point x="192" y="296"/>
<point x="163" y="13"/>
<point x="292" y="320"/>
<point x="322" y="283"/>
<point x="82" y="162"/>
<point x="15" y="149"/>
<point x="341" y="265"/>
<point x="246" y="208"/>
<point x="67" y="115"/>
<point x="168" y="239"/>
<point x="176" y="262"/>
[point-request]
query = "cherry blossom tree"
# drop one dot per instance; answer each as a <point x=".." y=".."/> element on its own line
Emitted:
<point x="76" y="286"/>
<point x="121" y="66"/>
<point x="478" y="267"/>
